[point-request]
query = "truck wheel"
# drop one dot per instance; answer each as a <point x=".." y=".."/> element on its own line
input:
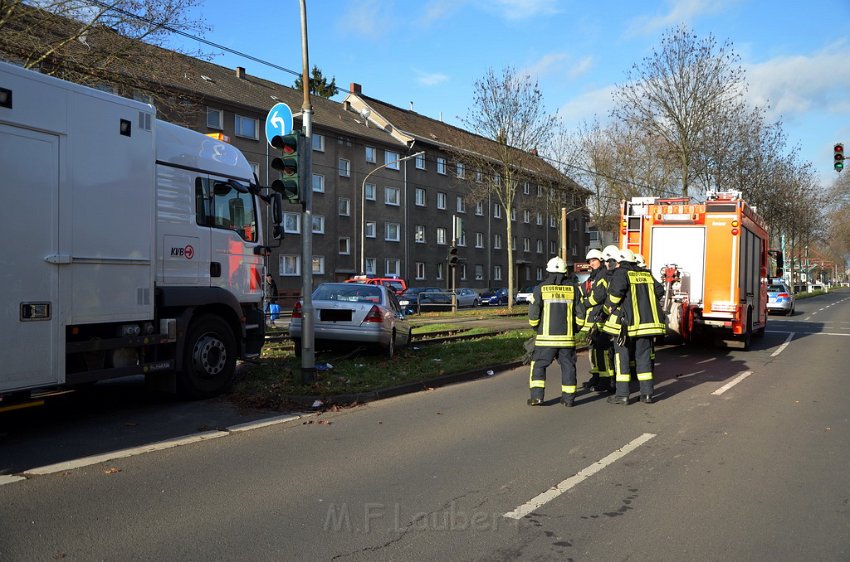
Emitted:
<point x="209" y="361"/>
<point x="748" y="335"/>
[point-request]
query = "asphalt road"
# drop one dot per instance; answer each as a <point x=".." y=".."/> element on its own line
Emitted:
<point x="743" y="457"/>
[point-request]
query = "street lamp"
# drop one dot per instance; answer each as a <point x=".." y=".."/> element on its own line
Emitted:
<point x="363" y="207"/>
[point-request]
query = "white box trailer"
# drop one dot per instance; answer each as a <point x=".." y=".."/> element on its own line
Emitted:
<point x="131" y="245"/>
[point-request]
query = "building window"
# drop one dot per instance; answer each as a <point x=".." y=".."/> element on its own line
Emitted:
<point x="318" y="224"/>
<point x="391" y="160"/>
<point x="526" y="216"/>
<point x="540" y="246"/>
<point x="370" y="191"/>
<point x="371" y="154"/>
<point x="539" y="218"/>
<point x="318" y="142"/>
<point x="441" y="165"/>
<point x="553" y="247"/>
<point x="513" y="214"/>
<point x="461" y="239"/>
<point x="540" y="191"/>
<point x="526" y="188"/>
<point x="255" y="168"/>
<point x="461" y="205"/>
<point x="215" y="118"/>
<point x="344" y="168"/>
<point x="370" y="229"/>
<point x="391" y="232"/>
<point x="479" y="272"/>
<point x="371" y="266"/>
<point x="526" y="245"/>
<point x="539" y="274"/>
<point x="344" y="207"/>
<point x="290" y="265"/>
<point x="344" y="245"/>
<point x="479" y="239"/>
<point x="420" y="162"/>
<point x="420" y="196"/>
<point x="292" y="223"/>
<point x="460" y="170"/>
<point x="553" y="222"/>
<point x="392" y="266"/>
<point x="439" y="271"/>
<point x="463" y="272"/>
<point x="246" y="127"/>
<point x="479" y="209"/>
<point x="478" y="176"/>
<point x="497" y="272"/>
<point x="497" y="241"/>
<point x="318" y="265"/>
<point x="441" y="200"/>
<point x="420" y="234"/>
<point x="420" y="270"/>
<point x="318" y="183"/>
<point x="513" y="243"/>
<point x="497" y="211"/>
<point x="441" y="235"/>
<point x="392" y="196"/>
<point x="497" y="180"/>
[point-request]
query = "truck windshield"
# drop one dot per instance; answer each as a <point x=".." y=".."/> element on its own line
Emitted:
<point x="219" y="204"/>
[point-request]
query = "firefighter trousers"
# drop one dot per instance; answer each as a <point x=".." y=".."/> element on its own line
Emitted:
<point x="601" y="359"/>
<point x="541" y="359"/>
<point x="643" y="352"/>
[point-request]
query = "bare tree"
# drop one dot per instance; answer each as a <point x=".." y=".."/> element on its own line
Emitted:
<point x="677" y="92"/>
<point x="95" y="43"/>
<point x="507" y="108"/>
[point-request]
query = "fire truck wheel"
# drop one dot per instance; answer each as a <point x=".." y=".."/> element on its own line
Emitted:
<point x="747" y="337"/>
<point x="209" y="360"/>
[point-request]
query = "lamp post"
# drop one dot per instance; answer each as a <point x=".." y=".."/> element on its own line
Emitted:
<point x="564" y="228"/>
<point x="363" y="207"/>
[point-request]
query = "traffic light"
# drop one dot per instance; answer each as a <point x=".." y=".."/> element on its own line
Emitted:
<point x="287" y="164"/>
<point x="453" y="259"/>
<point x="839" y="156"/>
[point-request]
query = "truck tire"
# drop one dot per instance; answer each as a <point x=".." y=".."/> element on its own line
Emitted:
<point x="209" y="361"/>
<point x="747" y="336"/>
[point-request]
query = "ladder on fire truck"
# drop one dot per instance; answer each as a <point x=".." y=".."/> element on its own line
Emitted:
<point x="635" y="213"/>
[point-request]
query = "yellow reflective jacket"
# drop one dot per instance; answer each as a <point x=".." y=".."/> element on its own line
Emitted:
<point x="556" y="311"/>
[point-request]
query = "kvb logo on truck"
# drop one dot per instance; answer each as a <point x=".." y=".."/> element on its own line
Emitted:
<point x="187" y="252"/>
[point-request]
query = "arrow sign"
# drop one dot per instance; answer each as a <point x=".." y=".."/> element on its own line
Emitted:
<point x="278" y="121"/>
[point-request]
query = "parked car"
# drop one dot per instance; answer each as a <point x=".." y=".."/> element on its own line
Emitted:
<point x="467" y="297"/>
<point x="524" y="295"/>
<point x="354" y="313"/>
<point x="419" y="299"/>
<point x="780" y="298"/>
<point x="495" y="297"/>
<point x="396" y="284"/>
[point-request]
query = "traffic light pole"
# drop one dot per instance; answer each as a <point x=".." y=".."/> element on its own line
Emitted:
<point x="308" y="351"/>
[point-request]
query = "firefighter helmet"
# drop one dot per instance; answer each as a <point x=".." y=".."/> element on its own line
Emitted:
<point x="626" y="255"/>
<point x="610" y="252"/>
<point x="639" y="260"/>
<point x="556" y="265"/>
<point x="594" y="255"/>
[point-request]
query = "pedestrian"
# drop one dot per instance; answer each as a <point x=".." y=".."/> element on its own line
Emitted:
<point x="633" y="319"/>
<point x="270" y="294"/>
<point x="556" y="313"/>
<point x="600" y="350"/>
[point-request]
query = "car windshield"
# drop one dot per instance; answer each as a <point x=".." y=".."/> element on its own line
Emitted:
<point x="354" y="292"/>
<point x="776" y="289"/>
<point x="528" y="290"/>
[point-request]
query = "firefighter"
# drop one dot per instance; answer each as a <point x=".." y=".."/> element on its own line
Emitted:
<point x="600" y="349"/>
<point x="633" y="319"/>
<point x="554" y="312"/>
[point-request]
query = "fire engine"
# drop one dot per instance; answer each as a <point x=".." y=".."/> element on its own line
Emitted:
<point x="712" y="258"/>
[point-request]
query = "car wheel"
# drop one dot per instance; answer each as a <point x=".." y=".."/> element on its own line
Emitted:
<point x="297" y="343"/>
<point x="476" y="302"/>
<point x="209" y="359"/>
<point x="390" y="349"/>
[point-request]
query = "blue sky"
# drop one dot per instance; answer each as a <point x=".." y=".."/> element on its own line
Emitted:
<point x="796" y="54"/>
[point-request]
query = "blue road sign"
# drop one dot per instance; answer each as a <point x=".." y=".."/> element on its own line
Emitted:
<point x="278" y="121"/>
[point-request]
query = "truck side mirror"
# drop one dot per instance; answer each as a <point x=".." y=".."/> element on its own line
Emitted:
<point x="277" y="209"/>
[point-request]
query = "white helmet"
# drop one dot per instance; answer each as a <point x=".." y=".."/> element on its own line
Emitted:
<point x="556" y="265"/>
<point x="593" y="254"/>
<point x="610" y="252"/>
<point x="641" y="262"/>
<point x="626" y="255"/>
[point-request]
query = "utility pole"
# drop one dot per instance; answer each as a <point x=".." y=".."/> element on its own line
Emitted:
<point x="308" y="350"/>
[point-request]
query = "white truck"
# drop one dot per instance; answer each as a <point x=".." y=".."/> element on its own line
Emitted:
<point x="130" y="245"/>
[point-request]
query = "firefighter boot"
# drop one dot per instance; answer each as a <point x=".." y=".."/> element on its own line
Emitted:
<point x="568" y="400"/>
<point x="536" y="397"/>
<point x="604" y="385"/>
<point x="646" y="392"/>
<point x="619" y="400"/>
<point x="593" y="383"/>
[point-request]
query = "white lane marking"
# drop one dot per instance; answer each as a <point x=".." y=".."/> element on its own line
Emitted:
<point x="8" y="479"/>
<point x="732" y="383"/>
<point x="570" y="482"/>
<point x="124" y="453"/>
<point x="784" y="345"/>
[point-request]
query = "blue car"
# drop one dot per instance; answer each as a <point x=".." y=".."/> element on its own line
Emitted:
<point x="495" y="297"/>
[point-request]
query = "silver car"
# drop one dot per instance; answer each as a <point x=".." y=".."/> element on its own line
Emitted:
<point x="354" y="313"/>
<point x="467" y="297"/>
